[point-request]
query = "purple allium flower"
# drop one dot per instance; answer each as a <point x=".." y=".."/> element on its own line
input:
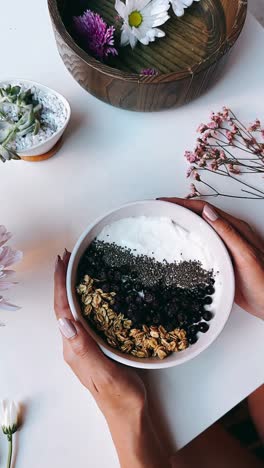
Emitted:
<point x="95" y="35"/>
<point x="148" y="72"/>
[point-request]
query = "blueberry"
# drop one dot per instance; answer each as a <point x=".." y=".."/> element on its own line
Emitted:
<point x="111" y="274"/>
<point x="170" y="313"/>
<point x="207" y="315"/>
<point x="127" y="287"/>
<point x="133" y="275"/>
<point x="196" y="317"/>
<point x="118" y="307"/>
<point x="137" y="285"/>
<point x="207" y="300"/>
<point x="181" y="317"/>
<point x="92" y="272"/>
<point x="192" y="330"/>
<point x="203" y="327"/>
<point x="170" y="326"/>
<point x="198" y="292"/>
<point x="195" y="307"/>
<point x="117" y="276"/>
<point x="102" y="276"/>
<point x="124" y="269"/>
<point x="149" y="297"/>
<point x="115" y="288"/>
<point x="156" y="319"/>
<point x="192" y="339"/>
<point x="130" y="299"/>
<point x="175" y="305"/>
<point x="92" y="261"/>
<point x="155" y="304"/>
<point x="133" y="317"/>
<point x="138" y="300"/>
<point x="210" y="290"/>
<point x="105" y="287"/>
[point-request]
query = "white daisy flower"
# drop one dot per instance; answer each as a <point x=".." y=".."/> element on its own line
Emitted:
<point x="140" y="20"/>
<point x="178" y="6"/>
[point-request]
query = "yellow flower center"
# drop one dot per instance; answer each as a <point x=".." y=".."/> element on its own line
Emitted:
<point x="135" y="19"/>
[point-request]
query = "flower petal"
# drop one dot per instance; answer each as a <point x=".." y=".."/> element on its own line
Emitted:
<point x="120" y="8"/>
<point x="9" y="256"/>
<point x="4" y="285"/>
<point x="124" y="37"/>
<point x="133" y="39"/>
<point x="160" y="21"/>
<point x="4" y="305"/>
<point x="13" y="413"/>
<point x="4" y="235"/>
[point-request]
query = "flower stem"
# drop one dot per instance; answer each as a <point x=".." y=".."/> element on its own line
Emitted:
<point x="10" y="450"/>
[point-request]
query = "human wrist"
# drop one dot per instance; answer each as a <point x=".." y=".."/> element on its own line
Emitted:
<point x="135" y="440"/>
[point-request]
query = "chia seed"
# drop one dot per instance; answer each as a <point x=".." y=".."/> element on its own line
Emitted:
<point x="184" y="274"/>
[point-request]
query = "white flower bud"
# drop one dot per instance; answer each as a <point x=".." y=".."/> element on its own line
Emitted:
<point x="9" y="416"/>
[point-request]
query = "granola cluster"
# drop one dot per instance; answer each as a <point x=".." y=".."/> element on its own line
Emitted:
<point x="144" y="342"/>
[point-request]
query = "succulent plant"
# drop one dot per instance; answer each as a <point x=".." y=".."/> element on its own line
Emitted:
<point x="24" y="109"/>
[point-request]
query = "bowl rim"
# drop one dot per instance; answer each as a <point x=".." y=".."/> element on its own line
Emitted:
<point x="110" y="352"/>
<point x="224" y="48"/>
<point x="49" y="91"/>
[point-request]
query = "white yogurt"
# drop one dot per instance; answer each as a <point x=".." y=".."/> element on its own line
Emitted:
<point x="159" y="238"/>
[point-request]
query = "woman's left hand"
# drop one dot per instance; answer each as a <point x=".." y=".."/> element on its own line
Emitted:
<point x="117" y="390"/>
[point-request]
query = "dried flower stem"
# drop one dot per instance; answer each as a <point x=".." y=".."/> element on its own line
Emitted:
<point x="220" y="149"/>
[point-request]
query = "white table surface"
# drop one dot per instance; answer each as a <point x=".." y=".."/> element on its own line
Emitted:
<point x="256" y="7"/>
<point x="110" y="157"/>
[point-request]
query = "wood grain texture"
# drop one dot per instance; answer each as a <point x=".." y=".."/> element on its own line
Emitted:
<point x="188" y="59"/>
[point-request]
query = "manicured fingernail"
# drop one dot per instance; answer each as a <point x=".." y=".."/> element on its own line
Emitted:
<point x="65" y="253"/>
<point x="67" y="328"/>
<point x="57" y="261"/>
<point x="210" y="213"/>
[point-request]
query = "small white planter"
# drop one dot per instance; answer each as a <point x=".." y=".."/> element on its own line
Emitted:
<point x="44" y="149"/>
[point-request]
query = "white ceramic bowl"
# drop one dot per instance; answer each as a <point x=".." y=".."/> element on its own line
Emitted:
<point x="225" y="285"/>
<point x="48" y="144"/>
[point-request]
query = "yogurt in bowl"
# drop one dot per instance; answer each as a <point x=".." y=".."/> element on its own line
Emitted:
<point x="147" y="281"/>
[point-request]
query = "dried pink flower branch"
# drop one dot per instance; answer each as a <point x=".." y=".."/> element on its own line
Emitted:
<point x="227" y="148"/>
<point x="8" y="257"/>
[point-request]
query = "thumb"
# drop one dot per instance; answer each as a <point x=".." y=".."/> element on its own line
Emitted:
<point x="237" y="245"/>
<point x="80" y="345"/>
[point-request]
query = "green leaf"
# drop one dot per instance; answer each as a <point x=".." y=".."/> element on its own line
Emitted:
<point x="7" y="154"/>
<point x="37" y="127"/>
<point x="5" y="129"/>
<point x="15" y="90"/>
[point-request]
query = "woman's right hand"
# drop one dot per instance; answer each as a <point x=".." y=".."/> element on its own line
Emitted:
<point x="246" y="249"/>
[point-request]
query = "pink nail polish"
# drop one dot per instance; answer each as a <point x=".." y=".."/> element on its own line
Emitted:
<point x="210" y="213"/>
<point x="67" y="328"/>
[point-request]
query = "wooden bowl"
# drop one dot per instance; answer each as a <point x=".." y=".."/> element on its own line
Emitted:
<point x="188" y="59"/>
